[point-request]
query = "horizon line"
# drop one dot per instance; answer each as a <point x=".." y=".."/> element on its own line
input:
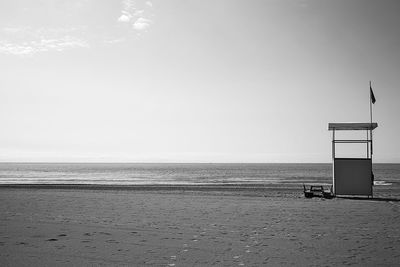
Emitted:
<point x="172" y="162"/>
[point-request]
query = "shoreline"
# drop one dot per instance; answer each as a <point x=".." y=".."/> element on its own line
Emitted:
<point x="249" y="189"/>
<point x="293" y="191"/>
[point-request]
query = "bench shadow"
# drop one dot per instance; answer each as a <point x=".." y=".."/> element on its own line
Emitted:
<point x="386" y="199"/>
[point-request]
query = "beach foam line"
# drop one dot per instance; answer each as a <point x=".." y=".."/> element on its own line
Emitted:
<point x="381" y="183"/>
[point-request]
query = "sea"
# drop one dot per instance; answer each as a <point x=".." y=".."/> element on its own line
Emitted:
<point x="286" y="174"/>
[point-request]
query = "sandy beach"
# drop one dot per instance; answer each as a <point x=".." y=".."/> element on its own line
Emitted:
<point x="80" y="227"/>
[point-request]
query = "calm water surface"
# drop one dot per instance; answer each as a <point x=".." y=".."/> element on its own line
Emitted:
<point x="180" y="174"/>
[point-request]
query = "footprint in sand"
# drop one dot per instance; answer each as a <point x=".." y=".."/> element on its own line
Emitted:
<point x="104" y="233"/>
<point x="112" y="241"/>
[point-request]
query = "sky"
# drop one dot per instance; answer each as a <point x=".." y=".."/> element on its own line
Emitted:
<point x="195" y="80"/>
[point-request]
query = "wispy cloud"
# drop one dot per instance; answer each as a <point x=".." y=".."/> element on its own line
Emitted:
<point x="128" y="4"/>
<point x="124" y="18"/>
<point x="142" y="24"/>
<point x="33" y="47"/>
<point x="73" y="27"/>
<point x="136" y="15"/>
<point x="25" y="41"/>
<point x="114" y="41"/>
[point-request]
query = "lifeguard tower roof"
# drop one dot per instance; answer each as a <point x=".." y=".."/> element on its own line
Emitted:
<point x="352" y="126"/>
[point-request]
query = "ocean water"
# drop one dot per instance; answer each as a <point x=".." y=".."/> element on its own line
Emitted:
<point x="386" y="175"/>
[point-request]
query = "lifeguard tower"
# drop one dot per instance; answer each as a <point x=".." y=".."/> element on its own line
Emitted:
<point x="353" y="175"/>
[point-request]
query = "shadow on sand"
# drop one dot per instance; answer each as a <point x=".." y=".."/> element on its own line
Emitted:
<point x="387" y="199"/>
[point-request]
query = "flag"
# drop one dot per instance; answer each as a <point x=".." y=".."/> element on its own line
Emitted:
<point x="373" y="100"/>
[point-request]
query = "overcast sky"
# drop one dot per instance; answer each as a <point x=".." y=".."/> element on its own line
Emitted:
<point x="195" y="80"/>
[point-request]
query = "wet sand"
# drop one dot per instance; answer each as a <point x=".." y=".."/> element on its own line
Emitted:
<point x="64" y="227"/>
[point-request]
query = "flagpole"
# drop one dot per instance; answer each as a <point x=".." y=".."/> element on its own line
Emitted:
<point x="370" y="111"/>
